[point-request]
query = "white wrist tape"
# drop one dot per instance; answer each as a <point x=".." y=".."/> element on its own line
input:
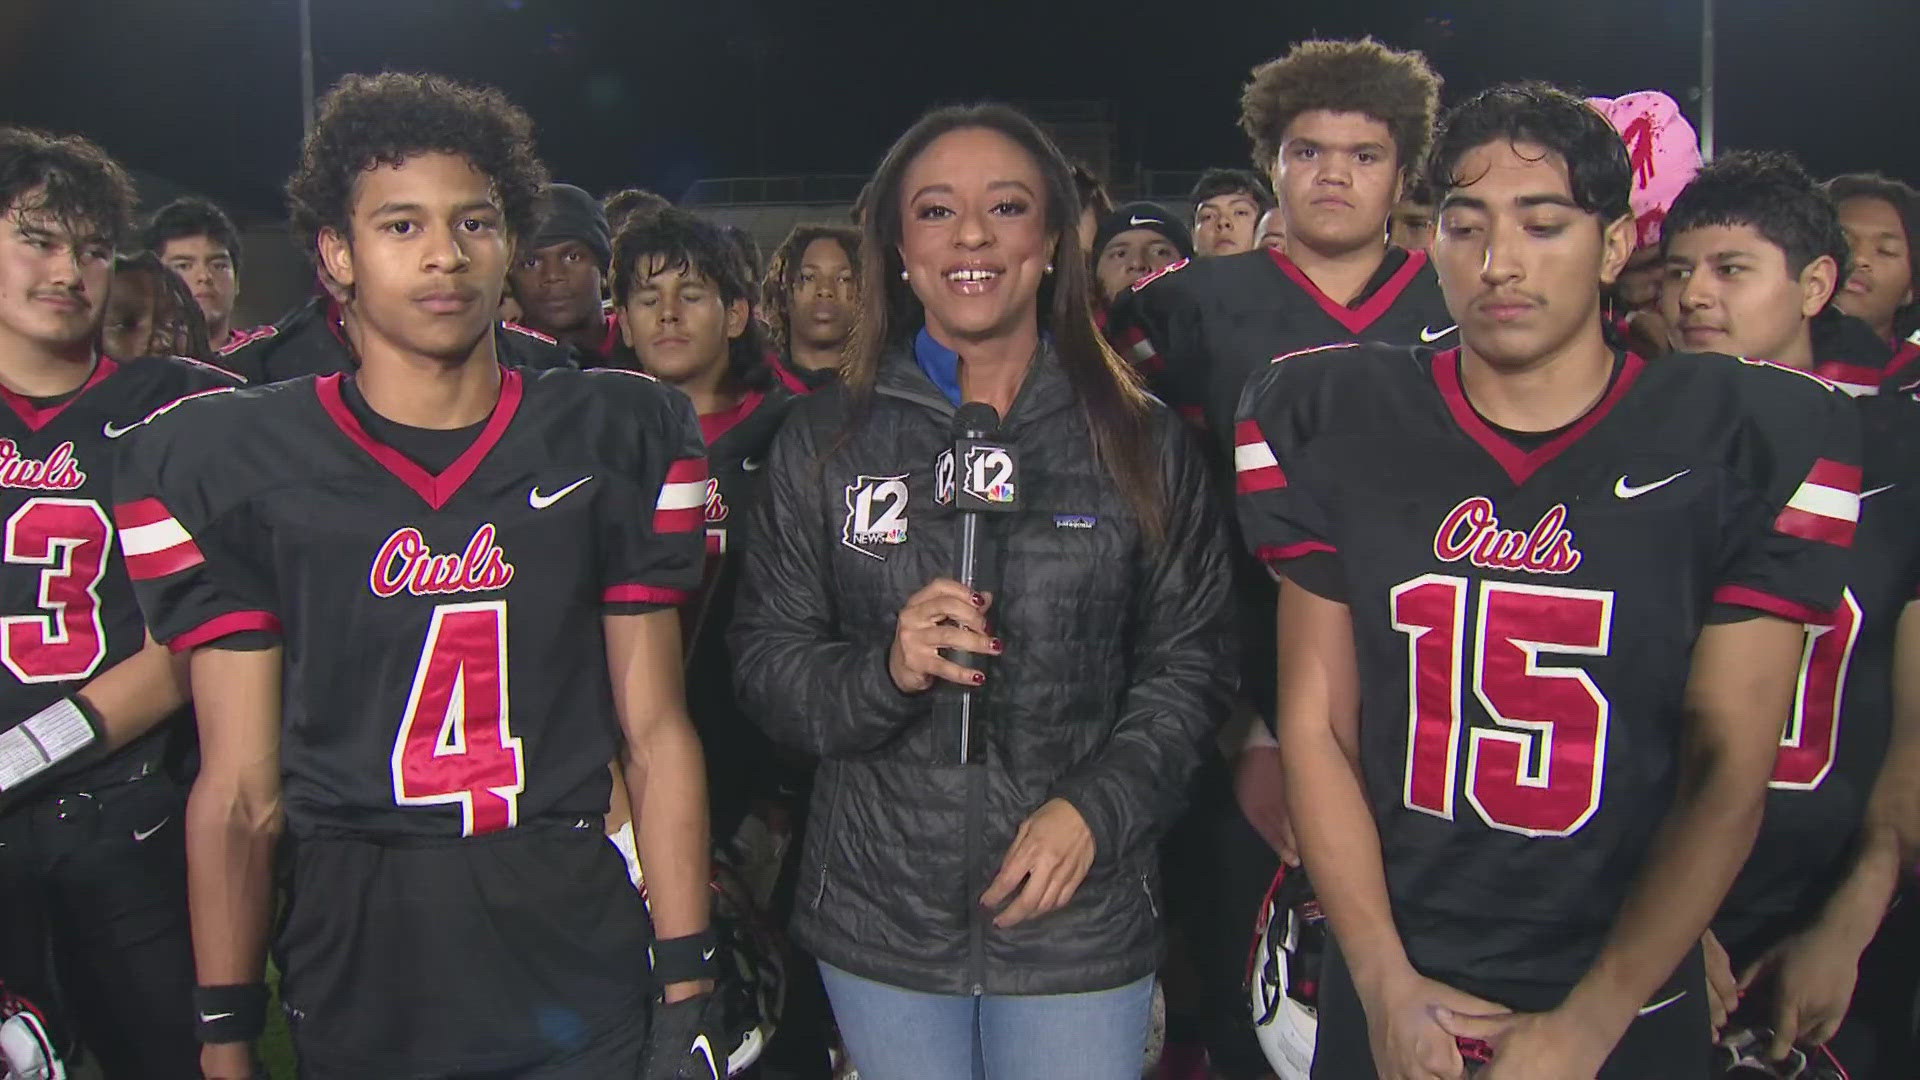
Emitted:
<point x="42" y="741"/>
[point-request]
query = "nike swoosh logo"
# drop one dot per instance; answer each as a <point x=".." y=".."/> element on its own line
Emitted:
<point x="1658" y="1005"/>
<point x="1429" y="335"/>
<point x="706" y="956"/>
<point x="1131" y="220"/>
<point x="705" y="1049"/>
<point x="1871" y="492"/>
<point x="139" y="836"/>
<point x="541" y="502"/>
<point x="113" y="431"/>
<point x="751" y="464"/>
<point x="1632" y="491"/>
<point x="208" y="1018"/>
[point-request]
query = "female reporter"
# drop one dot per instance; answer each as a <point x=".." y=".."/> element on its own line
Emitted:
<point x="994" y="907"/>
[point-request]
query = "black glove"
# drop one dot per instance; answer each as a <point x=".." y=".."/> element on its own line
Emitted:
<point x="687" y="1041"/>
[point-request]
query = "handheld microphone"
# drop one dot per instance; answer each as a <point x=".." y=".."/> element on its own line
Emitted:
<point x="985" y="473"/>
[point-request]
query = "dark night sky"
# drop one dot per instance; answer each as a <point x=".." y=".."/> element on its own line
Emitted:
<point x="660" y="93"/>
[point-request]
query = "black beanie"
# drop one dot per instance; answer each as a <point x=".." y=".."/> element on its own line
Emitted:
<point x="1144" y="215"/>
<point x="568" y="213"/>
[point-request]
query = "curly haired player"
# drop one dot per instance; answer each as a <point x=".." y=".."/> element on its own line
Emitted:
<point x="430" y="604"/>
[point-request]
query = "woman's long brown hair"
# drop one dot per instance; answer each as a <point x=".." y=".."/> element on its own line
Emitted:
<point x="1116" y="405"/>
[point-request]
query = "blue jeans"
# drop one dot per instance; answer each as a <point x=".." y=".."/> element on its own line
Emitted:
<point x="895" y="1034"/>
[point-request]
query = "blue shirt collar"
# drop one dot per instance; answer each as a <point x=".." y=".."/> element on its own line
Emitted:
<point x="941" y="364"/>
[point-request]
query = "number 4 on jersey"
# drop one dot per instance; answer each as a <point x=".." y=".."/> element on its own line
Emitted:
<point x="455" y="743"/>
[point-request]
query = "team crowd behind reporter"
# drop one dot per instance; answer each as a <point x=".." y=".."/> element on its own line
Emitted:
<point x="1005" y="908"/>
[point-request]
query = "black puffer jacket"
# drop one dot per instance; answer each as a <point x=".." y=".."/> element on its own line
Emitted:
<point x="1117" y="667"/>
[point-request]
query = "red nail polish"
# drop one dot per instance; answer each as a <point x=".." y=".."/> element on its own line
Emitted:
<point x="979" y="677"/>
<point x="978" y="600"/>
<point x="997" y="645"/>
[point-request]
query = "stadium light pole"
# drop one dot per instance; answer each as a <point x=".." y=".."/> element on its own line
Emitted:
<point x="1706" y="79"/>
<point x="306" y="66"/>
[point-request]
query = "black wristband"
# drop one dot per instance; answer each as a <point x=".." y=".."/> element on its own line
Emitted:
<point x="230" y="1014"/>
<point x="684" y="959"/>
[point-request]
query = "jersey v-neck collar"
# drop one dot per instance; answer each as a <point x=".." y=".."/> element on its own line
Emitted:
<point x="1519" y="464"/>
<point x="435" y="488"/>
<point x="715" y="424"/>
<point x="37" y="416"/>
<point x="1373" y="304"/>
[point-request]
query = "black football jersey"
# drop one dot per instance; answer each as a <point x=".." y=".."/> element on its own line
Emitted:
<point x="309" y="340"/>
<point x="69" y="611"/>
<point x="1835" y="742"/>
<point x="1524" y="620"/>
<point x="1848" y="354"/>
<point x="446" y="669"/>
<point x="1903" y="371"/>
<point x="1200" y="328"/>
<point x="739" y="757"/>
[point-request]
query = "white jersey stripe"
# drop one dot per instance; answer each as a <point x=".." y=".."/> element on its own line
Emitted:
<point x="158" y="536"/>
<point x="1253" y="455"/>
<point x="1827" y="502"/>
<point x="682" y="496"/>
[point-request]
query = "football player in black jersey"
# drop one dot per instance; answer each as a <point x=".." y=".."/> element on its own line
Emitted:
<point x="425" y="609"/>
<point x="809" y="299"/>
<point x="92" y="864"/>
<point x="559" y="278"/>
<point x="1339" y="126"/>
<point x="1754" y="253"/>
<point x="681" y="297"/>
<point x="1539" y="632"/>
<point x="1881" y="217"/>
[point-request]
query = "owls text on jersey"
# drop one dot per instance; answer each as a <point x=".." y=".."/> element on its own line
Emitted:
<point x="446" y="665"/>
<point x="1524" y="619"/>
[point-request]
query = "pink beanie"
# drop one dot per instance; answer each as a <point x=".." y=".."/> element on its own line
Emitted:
<point x="1663" y="149"/>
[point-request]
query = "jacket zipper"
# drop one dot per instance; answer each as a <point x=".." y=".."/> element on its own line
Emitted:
<point x="833" y="815"/>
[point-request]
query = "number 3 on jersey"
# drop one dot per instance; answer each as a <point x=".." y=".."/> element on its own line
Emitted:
<point x="1538" y="772"/>
<point x="65" y="640"/>
<point x="455" y="743"/>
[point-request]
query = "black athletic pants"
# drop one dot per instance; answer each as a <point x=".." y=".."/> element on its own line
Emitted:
<point x="93" y="924"/>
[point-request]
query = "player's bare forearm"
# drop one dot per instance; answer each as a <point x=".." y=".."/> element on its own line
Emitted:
<point x="1739" y="691"/>
<point x="1895" y="803"/>
<point x="1890" y="834"/>
<point x="665" y="773"/>
<point x="1318" y="712"/>
<point x="133" y="696"/>
<point x="234" y="814"/>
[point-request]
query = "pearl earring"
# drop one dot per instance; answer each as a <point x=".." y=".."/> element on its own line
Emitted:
<point x="1049" y="268"/>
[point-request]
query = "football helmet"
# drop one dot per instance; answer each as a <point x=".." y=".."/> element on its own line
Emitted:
<point x="26" y="1051"/>
<point x="1283" y="973"/>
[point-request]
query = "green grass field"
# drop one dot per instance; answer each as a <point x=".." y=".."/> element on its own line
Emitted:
<point x="276" y="1046"/>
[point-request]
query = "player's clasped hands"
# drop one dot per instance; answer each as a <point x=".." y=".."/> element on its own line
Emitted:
<point x="1555" y="1045"/>
<point x="1407" y="1040"/>
<point x="944" y="615"/>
